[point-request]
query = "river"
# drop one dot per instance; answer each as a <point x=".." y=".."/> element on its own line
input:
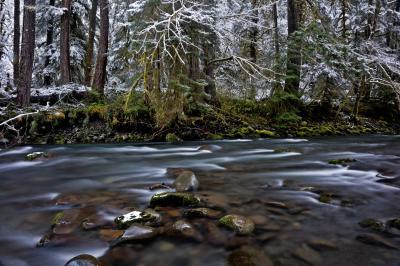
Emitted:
<point x="306" y="211"/>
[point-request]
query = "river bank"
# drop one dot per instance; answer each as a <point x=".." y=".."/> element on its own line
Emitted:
<point x="101" y="123"/>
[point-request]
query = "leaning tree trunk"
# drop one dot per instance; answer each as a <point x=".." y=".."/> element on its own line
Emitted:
<point x="293" y="53"/>
<point x="49" y="41"/>
<point x="27" y="53"/>
<point x="99" y="79"/>
<point x="65" y="43"/>
<point x="88" y="64"/>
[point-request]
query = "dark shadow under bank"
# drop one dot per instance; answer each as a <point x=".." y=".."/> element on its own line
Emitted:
<point x="103" y="124"/>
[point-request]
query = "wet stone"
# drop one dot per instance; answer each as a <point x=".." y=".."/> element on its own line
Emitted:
<point x="322" y="244"/>
<point x="240" y="224"/>
<point x="37" y="155"/>
<point x="394" y="223"/>
<point x="110" y="235"/>
<point x="83" y="260"/>
<point x="376" y="240"/>
<point x="147" y="217"/>
<point x="186" y="181"/>
<point x="186" y="230"/>
<point x="137" y="233"/>
<point x="248" y="256"/>
<point x="307" y="254"/>
<point x="210" y="147"/>
<point x="372" y="224"/>
<point x="177" y="199"/>
<point x="159" y="186"/>
<point x="202" y="213"/>
<point x="343" y="162"/>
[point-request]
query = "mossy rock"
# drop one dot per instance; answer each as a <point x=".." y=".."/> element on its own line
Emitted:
<point x="248" y="256"/>
<point x="395" y="223"/>
<point x="214" y="137"/>
<point x="57" y="218"/>
<point x="326" y="198"/>
<point x="147" y="217"/>
<point x="178" y="199"/>
<point x="240" y="224"/>
<point x="37" y="155"/>
<point x="373" y="224"/>
<point x="342" y="161"/>
<point x="266" y="133"/>
<point x="172" y="138"/>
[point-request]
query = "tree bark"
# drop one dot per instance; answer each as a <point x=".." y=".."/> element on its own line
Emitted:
<point x="293" y="53"/>
<point x="100" y="74"/>
<point x="17" y="39"/>
<point x="27" y="53"/>
<point x="65" y="43"/>
<point x="88" y="65"/>
<point x="49" y="41"/>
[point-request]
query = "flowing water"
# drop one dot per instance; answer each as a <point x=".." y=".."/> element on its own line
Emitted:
<point x="306" y="210"/>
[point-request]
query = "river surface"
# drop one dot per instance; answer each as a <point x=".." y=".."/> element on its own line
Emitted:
<point x="306" y="211"/>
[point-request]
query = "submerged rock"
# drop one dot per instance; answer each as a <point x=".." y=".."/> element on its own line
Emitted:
<point x="307" y="254"/>
<point x="83" y="260"/>
<point x="148" y="217"/>
<point x="344" y="162"/>
<point x="37" y="155"/>
<point x="186" y="181"/>
<point x="178" y="199"/>
<point x="110" y="235"/>
<point x="186" y="230"/>
<point x="395" y="223"/>
<point x="137" y="233"/>
<point x="202" y="213"/>
<point x="372" y="224"/>
<point x="240" y="224"/>
<point x="159" y="186"/>
<point x="376" y="240"/>
<point x="248" y="256"/>
<point x="210" y="147"/>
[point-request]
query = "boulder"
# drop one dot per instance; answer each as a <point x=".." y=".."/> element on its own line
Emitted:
<point x="240" y="224"/>
<point x="186" y="181"/>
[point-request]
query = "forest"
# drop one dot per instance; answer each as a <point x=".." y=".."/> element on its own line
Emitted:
<point x="152" y="68"/>
<point x="199" y="132"/>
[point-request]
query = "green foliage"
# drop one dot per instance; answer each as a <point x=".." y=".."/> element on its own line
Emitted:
<point x="283" y="108"/>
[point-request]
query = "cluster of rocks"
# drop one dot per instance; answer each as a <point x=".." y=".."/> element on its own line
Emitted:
<point x="380" y="232"/>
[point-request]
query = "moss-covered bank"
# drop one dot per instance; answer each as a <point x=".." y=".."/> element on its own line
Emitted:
<point x="110" y="123"/>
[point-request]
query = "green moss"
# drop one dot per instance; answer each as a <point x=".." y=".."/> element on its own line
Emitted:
<point x="326" y="198"/>
<point x="57" y="218"/>
<point x="174" y="199"/>
<point x="372" y="224"/>
<point x="342" y="161"/>
<point x="172" y="138"/>
<point x="98" y="111"/>
<point x="237" y="223"/>
<point x="266" y="133"/>
<point x="214" y="137"/>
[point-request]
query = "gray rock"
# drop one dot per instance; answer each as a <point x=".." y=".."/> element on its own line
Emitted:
<point x="376" y="240"/>
<point x="137" y="233"/>
<point x="186" y="181"/>
<point x="83" y="260"/>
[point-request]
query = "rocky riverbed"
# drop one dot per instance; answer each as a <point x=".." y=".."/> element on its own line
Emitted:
<point x="325" y="201"/>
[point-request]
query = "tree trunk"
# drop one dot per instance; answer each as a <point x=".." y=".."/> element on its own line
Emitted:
<point x="276" y="85"/>
<point x="2" y="22"/>
<point x="101" y="62"/>
<point x="65" y="43"/>
<point x="253" y="44"/>
<point x="17" y="39"/>
<point x="293" y="53"/>
<point x="88" y="64"/>
<point x="49" y="41"/>
<point x="27" y="53"/>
